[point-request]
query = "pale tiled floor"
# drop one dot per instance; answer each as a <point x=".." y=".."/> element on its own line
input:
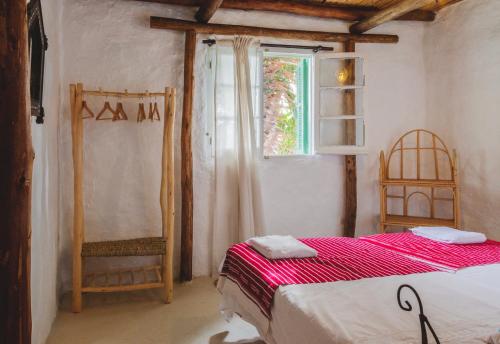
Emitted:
<point x="141" y="317"/>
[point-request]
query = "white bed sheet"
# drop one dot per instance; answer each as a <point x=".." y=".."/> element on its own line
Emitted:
<point x="463" y="307"/>
<point x="234" y="301"/>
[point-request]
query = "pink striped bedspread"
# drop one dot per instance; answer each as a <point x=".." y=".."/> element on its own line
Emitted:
<point x="339" y="259"/>
<point x="450" y="256"/>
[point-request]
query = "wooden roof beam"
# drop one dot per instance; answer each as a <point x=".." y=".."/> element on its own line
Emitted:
<point x="223" y="29"/>
<point x="207" y="10"/>
<point x="320" y="10"/>
<point x="305" y="9"/>
<point x="386" y="15"/>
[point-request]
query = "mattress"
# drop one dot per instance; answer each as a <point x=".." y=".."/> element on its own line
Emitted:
<point x="463" y="307"/>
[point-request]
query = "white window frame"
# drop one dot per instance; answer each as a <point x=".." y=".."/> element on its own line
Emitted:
<point x="335" y="149"/>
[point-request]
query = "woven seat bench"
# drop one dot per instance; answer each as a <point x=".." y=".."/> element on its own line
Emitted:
<point x="131" y="247"/>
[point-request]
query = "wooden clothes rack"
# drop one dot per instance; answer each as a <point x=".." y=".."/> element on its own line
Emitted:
<point x="413" y="142"/>
<point x="158" y="276"/>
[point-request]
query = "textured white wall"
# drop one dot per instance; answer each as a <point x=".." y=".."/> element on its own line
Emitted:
<point x="462" y="50"/>
<point x="109" y="44"/>
<point x="45" y="196"/>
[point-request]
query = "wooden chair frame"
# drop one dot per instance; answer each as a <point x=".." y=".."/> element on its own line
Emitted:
<point x="433" y="184"/>
<point x="160" y="276"/>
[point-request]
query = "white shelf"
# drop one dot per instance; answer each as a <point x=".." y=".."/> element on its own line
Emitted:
<point x="343" y="150"/>
<point x="347" y="87"/>
<point x="340" y="117"/>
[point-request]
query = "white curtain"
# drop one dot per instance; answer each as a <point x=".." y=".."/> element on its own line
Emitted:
<point x="236" y="198"/>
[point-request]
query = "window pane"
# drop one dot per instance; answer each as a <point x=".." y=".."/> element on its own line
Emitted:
<point x="225" y="123"/>
<point x="334" y="132"/>
<point x="332" y="102"/>
<point x="286" y="88"/>
<point x="335" y="72"/>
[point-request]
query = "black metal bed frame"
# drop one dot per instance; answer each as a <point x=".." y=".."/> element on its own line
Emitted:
<point x="424" y="322"/>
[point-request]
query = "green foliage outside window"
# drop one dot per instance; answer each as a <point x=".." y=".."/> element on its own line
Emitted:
<point x="285" y="79"/>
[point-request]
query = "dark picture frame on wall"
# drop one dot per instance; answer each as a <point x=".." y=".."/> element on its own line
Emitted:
<point x="37" y="46"/>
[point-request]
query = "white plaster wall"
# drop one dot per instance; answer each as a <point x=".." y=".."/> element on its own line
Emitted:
<point x="109" y="44"/>
<point x="45" y="193"/>
<point x="462" y="50"/>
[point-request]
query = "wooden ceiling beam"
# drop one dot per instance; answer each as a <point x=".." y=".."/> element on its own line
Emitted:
<point x="318" y="10"/>
<point x="387" y="14"/>
<point x="207" y="10"/>
<point x="305" y="9"/>
<point x="223" y="29"/>
<point x="440" y="4"/>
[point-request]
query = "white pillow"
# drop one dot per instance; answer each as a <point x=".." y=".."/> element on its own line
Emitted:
<point x="449" y="235"/>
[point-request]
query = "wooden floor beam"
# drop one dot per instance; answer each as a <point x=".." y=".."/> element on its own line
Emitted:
<point x="16" y="161"/>
<point x="318" y="10"/>
<point x="386" y="15"/>
<point x="223" y="29"/>
<point x="187" y="159"/>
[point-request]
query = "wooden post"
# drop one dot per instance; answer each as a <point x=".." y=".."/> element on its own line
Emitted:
<point x="187" y="159"/>
<point x="382" y="191"/>
<point x="76" y="94"/>
<point x="456" y="191"/>
<point x="350" y="206"/>
<point x="207" y="10"/>
<point x="387" y="14"/>
<point x="16" y="161"/>
<point x="167" y="192"/>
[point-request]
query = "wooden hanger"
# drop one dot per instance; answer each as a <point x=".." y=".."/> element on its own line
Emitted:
<point x="106" y="108"/>
<point x="154" y="114"/>
<point x="85" y="107"/>
<point x="120" y="113"/>
<point x="141" y="113"/>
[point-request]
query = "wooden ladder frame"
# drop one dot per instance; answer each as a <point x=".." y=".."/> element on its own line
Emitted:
<point x="166" y="194"/>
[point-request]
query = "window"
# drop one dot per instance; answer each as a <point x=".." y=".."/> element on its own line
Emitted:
<point x="311" y="103"/>
<point x="286" y="103"/>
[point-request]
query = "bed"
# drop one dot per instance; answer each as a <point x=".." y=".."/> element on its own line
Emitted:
<point x="348" y="293"/>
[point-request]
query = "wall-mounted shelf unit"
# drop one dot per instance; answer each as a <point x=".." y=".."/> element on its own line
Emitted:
<point x="419" y="165"/>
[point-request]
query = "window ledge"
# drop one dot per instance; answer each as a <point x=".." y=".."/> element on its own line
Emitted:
<point x="289" y="156"/>
<point x="342" y="150"/>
